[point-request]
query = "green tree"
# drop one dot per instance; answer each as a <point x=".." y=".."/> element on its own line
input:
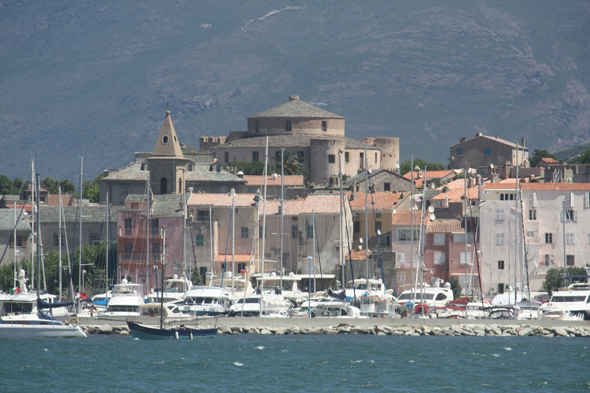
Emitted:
<point x="583" y="158"/>
<point x="292" y="164"/>
<point x="92" y="189"/>
<point x="52" y="186"/>
<point x="251" y="168"/>
<point x="455" y="287"/>
<point x="554" y="277"/>
<point x="8" y="187"/>
<point x="405" y="167"/>
<point x="538" y="154"/>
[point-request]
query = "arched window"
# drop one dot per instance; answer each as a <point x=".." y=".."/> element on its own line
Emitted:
<point x="164" y="186"/>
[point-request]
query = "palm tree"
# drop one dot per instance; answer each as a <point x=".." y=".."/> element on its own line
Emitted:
<point x="292" y="164"/>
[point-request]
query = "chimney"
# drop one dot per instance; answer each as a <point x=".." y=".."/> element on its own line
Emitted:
<point x="522" y="142"/>
<point x="241" y="174"/>
<point x="293" y="98"/>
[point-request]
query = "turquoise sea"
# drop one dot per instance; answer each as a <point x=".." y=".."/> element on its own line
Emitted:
<point x="253" y="363"/>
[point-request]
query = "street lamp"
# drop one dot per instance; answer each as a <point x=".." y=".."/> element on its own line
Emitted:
<point x="309" y="258"/>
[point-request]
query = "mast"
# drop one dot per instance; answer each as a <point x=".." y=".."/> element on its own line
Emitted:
<point x="34" y="191"/>
<point x="147" y="236"/>
<point x="211" y="241"/>
<point x="366" y="216"/>
<point x="282" y="209"/>
<point x="465" y="225"/>
<point x="59" y="236"/>
<point x="106" y="285"/>
<point x="233" y="238"/>
<point x="15" y="250"/>
<point x="314" y="256"/>
<point x="564" y="216"/>
<point x="341" y="253"/>
<point x="184" y="230"/>
<point x="162" y="278"/>
<point x="516" y="228"/>
<point x="38" y="243"/>
<point x="264" y="224"/>
<point x="80" y="258"/>
<point x="412" y="229"/>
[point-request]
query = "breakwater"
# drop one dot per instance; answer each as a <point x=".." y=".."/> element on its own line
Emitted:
<point x="521" y="330"/>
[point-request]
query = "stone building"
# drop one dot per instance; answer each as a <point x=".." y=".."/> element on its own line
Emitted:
<point x="315" y="135"/>
<point x="8" y="243"/>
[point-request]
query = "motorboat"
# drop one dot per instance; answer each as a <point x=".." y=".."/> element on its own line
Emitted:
<point x="432" y="296"/>
<point x="240" y="286"/>
<point x="125" y="302"/>
<point x="374" y="307"/>
<point x="367" y="287"/>
<point x="557" y="314"/>
<point x="528" y="309"/>
<point x="502" y="312"/>
<point x="574" y="299"/>
<point x="175" y="289"/>
<point x="336" y="309"/>
<point x="171" y="312"/>
<point x="211" y="301"/>
<point x="255" y="305"/>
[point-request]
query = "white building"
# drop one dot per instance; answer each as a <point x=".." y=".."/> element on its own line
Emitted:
<point x="548" y="239"/>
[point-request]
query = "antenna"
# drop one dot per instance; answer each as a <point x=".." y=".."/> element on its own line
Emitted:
<point x="167" y="105"/>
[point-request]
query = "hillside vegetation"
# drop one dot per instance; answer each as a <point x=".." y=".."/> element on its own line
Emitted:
<point x="95" y="78"/>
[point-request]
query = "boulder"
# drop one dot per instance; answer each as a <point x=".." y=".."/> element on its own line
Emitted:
<point x="524" y="332"/>
<point x="105" y="329"/>
<point x="560" y="332"/>
<point x="265" y="332"/>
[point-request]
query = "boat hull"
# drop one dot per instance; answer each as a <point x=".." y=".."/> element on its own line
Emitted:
<point x="146" y="332"/>
<point x="18" y="330"/>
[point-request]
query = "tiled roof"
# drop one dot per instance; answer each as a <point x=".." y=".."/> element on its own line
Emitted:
<point x="53" y="200"/>
<point x="384" y="201"/>
<point x="540" y="186"/>
<point x="50" y="214"/>
<point x="459" y="183"/>
<point x="291" y="180"/>
<point x="130" y="172"/>
<point x="318" y="204"/>
<point x="297" y="108"/>
<point x="28" y="208"/>
<point x="288" y="141"/>
<point x="456" y="194"/>
<point x="548" y="161"/>
<point x="432" y="174"/>
<point x="167" y="205"/>
<point x="444" y="226"/>
<point x="360" y="178"/>
<point x="7" y="221"/>
<point x="495" y="139"/>
<point x="404" y="217"/>
<point x="203" y="174"/>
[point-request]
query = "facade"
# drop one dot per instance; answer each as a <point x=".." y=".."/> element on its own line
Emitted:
<point x="315" y="135"/>
<point x="550" y="240"/>
<point x="436" y="177"/>
<point x="483" y="151"/>
<point x="15" y="248"/>
<point x="381" y="180"/>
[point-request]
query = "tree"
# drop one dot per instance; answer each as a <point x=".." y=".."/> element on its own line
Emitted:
<point x="251" y="168"/>
<point x="455" y="287"/>
<point x="92" y="189"/>
<point x="538" y="154"/>
<point x="52" y="186"/>
<point x="405" y="167"/>
<point x="554" y="277"/>
<point x="583" y="158"/>
<point x="292" y="164"/>
<point x="9" y="187"/>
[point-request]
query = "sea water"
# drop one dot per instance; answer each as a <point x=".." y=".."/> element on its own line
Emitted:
<point x="311" y="363"/>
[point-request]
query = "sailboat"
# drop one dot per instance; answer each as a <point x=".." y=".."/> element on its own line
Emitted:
<point x="23" y="314"/>
<point x="147" y="332"/>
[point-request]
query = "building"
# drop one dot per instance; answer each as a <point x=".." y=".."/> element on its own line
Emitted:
<point x="483" y="151"/>
<point x="381" y="180"/>
<point x="532" y="219"/>
<point x="15" y="248"/>
<point x="315" y="135"/>
<point x="437" y="178"/>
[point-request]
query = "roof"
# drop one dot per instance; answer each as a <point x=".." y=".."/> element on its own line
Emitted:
<point x="455" y="195"/>
<point x="50" y="214"/>
<point x="297" y="108"/>
<point x="318" y="204"/>
<point x="404" y="217"/>
<point x="495" y="139"/>
<point x="547" y="160"/>
<point x="430" y="175"/>
<point x="383" y="201"/>
<point x="167" y="143"/>
<point x="201" y="173"/>
<point x="167" y="205"/>
<point x="53" y="200"/>
<point x="360" y="178"/>
<point x="132" y="171"/>
<point x="444" y="226"/>
<point x="288" y="141"/>
<point x="539" y="186"/>
<point x="289" y="180"/>
<point x="7" y="221"/>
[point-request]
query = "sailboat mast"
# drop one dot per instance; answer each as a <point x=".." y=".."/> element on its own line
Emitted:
<point x="162" y="278"/>
<point x="314" y="256"/>
<point x="38" y="243"/>
<point x="367" y="214"/>
<point x="59" y="239"/>
<point x="412" y="226"/>
<point x="80" y="258"/>
<point x="35" y="233"/>
<point x="106" y="285"/>
<point x="233" y="238"/>
<point x="184" y="230"/>
<point x="15" y="250"/>
<point x="264" y="223"/>
<point x="341" y="253"/>
<point x="516" y="228"/>
<point x="282" y="209"/>
<point x="211" y="241"/>
<point x="465" y="226"/>
<point x="147" y="236"/>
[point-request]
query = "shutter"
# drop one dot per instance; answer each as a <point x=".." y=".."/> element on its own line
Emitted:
<point x="575" y="216"/>
<point x="571" y="199"/>
<point x="534" y="199"/>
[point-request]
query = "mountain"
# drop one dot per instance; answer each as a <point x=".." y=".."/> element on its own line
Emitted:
<point x="95" y="78"/>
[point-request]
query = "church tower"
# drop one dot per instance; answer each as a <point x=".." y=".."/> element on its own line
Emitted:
<point x="167" y="164"/>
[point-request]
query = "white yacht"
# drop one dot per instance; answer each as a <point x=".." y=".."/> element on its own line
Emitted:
<point x="211" y="301"/>
<point x="574" y="299"/>
<point x="240" y="284"/>
<point x="125" y="301"/>
<point x="251" y="305"/>
<point x="374" y="307"/>
<point x="175" y="289"/>
<point x="431" y="296"/>
<point x="336" y="308"/>
<point x="367" y="287"/>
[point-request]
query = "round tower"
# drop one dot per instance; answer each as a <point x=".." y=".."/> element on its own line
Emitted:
<point x="389" y="148"/>
<point x="323" y="160"/>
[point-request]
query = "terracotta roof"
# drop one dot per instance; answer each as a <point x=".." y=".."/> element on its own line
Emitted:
<point x="404" y="217"/>
<point x="290" y="180"/>
<point x="540" y="186"/>
<point x="237" y="258"/>
<point x="383" y="201"/>
<point x="445" y="226"/>
<point x="455" y="194"/>
<point x="320" y="204"/>
<point x="297" y="108"/>
<point x="203" y="199"/>
<point x="548" y="161"/>
<point x="459" y="183"/>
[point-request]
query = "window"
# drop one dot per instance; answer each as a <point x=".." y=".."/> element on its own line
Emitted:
<point x="331" y="158"/>
<point x="439" y="239"/>
<point x="257" y="127"/>
<point x="260" y="231"/>
<point x="570" y="215"/>
<point x="362" y="159"/>
<point x="499" y="238"/>
<point x="300" y="156"/>
<point x="244" y="232"/>
<point x="288" y="125"/>
<point x="164" y="186"/>
<point x="569" y="260"/>
<point x="223" y="189"/>
<point x="439" y="258"/>
<point x="157" y="248"/>
<point x="386" y="186"/>
<point x="548" y="259"/>
<point x="500" y="214"/>
<point x="128" y="249"/>
<point x="190" y="167"/>
<point x="465" y="260"/>
<point x="128" y="226"/>
<point x="487" y="151"/>
<point x="324" y="126"/>
<point x="200" y="240"/>
<point x="569" y="238"/>
<point x="55" y="241"/>
<point x="310" y="231"/>
<point x="459" y="151"/>
<point x="401" y="277"/>
<point x="94" y="239"/>
<point x="401" y="257"/>
<point x="387" y="240"/>
<point x="530" y="233"/>
<point x="278" y="155"/>
<point x="404" y="235"/>
<point x="376" y="157"/>
<point x="203" y="215"/>
<point x="226" y="157"/>
<point x="532" y="214"/>
<point x="500" y="265"/>
<point x="548" y="238"/>
<point x="346" y="156"/>
<point x="378" y="225"/>
<point x="294" y="219"/>
<point x="255" y="156"/>
<point x="294" y="232"/>
<point x="124" y="189"/>
<point x="357" y="226"/>
<point x="156" y="224"/>
<point x="241" y="268"/>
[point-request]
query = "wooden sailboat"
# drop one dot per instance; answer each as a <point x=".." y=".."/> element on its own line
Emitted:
<point x="147" y="332"/>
